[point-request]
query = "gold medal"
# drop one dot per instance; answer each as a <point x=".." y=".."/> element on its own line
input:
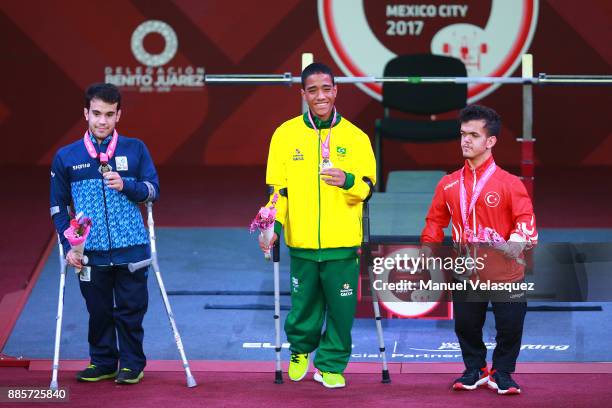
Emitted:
<point x="326" y="164"/>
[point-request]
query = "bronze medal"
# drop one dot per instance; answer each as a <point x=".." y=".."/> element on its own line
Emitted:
<point x="105" y="168"/>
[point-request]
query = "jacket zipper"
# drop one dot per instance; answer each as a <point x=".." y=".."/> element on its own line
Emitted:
<point x="474" y="212"/>
<point x="473" y="191"/>
<point x="110" y="245"/>
<point x="319" y="188"/>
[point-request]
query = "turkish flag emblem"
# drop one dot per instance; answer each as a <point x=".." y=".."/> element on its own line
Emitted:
<point x="492" y="199"/>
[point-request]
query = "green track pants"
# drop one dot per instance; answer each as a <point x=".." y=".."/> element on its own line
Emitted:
<point x="323" y="292"/>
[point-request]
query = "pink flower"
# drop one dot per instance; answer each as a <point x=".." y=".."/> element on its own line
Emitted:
<point x="78" y="231"/>
<point x="265" y="217"/>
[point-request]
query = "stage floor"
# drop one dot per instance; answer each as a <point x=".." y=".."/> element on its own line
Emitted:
<point x="217" y="281"/>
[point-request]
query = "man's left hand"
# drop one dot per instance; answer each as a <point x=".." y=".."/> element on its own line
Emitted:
<point x="334" y="177"/>
<point x="513" y="250"/>
<point x="113" y="180"/>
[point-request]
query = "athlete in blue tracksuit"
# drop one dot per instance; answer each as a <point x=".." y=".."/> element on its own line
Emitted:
<point x="105" y="176"/>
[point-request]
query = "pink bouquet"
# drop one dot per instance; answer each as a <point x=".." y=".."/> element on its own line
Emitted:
<point x="485" y="235"/>
<point x="491" y="237"/>
<point x="77" y="233"/>
<point x="264" y="222"/>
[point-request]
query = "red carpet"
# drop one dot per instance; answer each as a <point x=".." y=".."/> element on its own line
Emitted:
<point x="162" y="389"/>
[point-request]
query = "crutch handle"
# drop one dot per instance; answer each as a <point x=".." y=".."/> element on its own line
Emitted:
<point x="134" y="266"/>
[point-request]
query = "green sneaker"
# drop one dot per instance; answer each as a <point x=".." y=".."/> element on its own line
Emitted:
<point x="330" y="380"/>
<point x="298" y="366"/>
<point x="127" y="376"/>
<point x="94" y="373"/>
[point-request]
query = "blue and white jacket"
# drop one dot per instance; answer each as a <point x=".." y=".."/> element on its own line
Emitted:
<point x="118" y="234"/>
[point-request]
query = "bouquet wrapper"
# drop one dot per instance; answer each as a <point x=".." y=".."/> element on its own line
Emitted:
<point x="267" y="235"/>
<point x="78" y="249"/>
<point x="77" y="243"/>
<point x="264" y="222"/>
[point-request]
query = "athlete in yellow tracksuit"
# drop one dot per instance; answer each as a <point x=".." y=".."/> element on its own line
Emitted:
<point x="321" y="215"/>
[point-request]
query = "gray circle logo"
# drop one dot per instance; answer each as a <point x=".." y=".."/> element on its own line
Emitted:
<point x="161" y="28"/>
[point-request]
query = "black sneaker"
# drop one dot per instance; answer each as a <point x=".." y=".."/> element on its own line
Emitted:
<point x="503" y="383"/>
<point x="94" y="373"/>
<point x="471" y="379"/>
<point x="128" y="376"/>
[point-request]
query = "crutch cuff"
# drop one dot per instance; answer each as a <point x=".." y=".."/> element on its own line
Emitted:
<point x="371" y="185"/>
<point x="278" y="228"/>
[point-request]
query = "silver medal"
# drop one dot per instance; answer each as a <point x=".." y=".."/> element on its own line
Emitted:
<point x="326" y="164"/>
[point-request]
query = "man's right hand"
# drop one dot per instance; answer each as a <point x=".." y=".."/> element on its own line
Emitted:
<point x="425" y="251"/>
<point x="262" y="244"/>
<point x="74" y="259"/>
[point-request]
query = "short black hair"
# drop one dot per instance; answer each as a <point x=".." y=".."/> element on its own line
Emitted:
<point x="108" y="93"/>
<point x="317" y="68"/>
<point x="480" y="112"/>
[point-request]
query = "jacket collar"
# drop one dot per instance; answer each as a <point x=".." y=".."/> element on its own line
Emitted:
<point x="480" y="169"/>
<point x="321" y="124"/>
<point x="104" y="142"/>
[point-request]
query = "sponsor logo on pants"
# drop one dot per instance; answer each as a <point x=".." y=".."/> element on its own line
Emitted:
<point x="346" y="290"/>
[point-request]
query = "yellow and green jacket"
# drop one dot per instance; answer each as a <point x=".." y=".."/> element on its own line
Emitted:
<point x="321" y="222"/>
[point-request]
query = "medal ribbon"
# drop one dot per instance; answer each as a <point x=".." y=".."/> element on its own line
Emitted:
<point x="110" y="151"/>
<point x="475" y="194"/>
<point x="324" y="144"/>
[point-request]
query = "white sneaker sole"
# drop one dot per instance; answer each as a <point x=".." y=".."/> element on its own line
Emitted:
<point x="459" y="387"/>
<point x="511" y="391"/>
<point x="319" y="378"/>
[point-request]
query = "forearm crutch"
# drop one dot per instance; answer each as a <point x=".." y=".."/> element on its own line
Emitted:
<point x="367" y="253"/>
<point x="278" y="375"/>
<point x="59" y="316"/>
<point x="177" y="337"/>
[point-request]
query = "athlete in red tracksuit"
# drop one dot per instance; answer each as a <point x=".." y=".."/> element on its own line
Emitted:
<point x="493" y="207"/>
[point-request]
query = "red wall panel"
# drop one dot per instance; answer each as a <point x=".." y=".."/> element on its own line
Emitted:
<point x="56" y="48"/>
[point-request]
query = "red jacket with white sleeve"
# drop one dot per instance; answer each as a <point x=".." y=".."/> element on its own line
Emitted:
<point x="503" y="205"/>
